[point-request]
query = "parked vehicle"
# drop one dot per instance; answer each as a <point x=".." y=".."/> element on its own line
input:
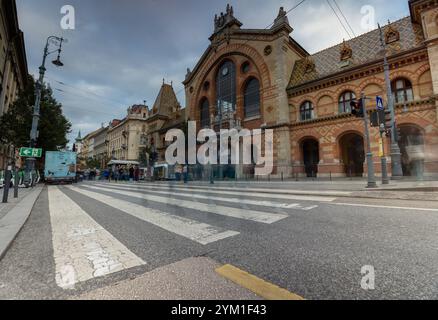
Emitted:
<point x="60" y="167"/>
<point x="164" y="172"/>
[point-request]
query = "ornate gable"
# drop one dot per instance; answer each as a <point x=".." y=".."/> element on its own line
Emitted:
<point x="346" y="52"/>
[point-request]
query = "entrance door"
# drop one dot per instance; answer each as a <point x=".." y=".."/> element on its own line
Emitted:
<point x="412" y="150"/>
<point x="311" y="157"/>
<point x="353" y="154"/>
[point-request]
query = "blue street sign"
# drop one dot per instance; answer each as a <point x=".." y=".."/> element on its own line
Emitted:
<point x="380" y="105"/>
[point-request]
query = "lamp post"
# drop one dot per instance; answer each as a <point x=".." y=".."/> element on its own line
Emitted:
<point x="397" y="170"/>
<point x="30" y="162"/>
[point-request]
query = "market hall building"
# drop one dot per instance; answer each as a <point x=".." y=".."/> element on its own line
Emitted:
<point x="262" y="78"/>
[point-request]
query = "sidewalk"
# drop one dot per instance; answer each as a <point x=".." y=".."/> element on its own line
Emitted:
<point x="14" y="214"/>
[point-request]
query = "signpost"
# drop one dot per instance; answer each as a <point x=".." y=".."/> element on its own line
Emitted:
<point x="31" y="153"/>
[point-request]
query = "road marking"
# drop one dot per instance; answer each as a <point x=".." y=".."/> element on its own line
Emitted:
<point x="260" y="287"/>
<point x="384" y="207"/>
<point x="199" y="232"/>
<point x="237" y="192"/>
<point x="193" y="195"/>
<point x="329" y="193"/>
<point x="82" y="248"/>
<point x="252" y="215"/>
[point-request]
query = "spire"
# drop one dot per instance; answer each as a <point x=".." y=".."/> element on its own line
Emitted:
<point x="226" y="19"/>
<point x="282" y="20"/>
<point x="79" y="138"/>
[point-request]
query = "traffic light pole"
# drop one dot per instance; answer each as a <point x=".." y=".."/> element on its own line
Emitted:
<point x="370" y="163"/>
<point x="397" y="170"/>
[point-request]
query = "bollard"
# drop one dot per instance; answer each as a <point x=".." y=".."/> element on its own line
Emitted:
<point x="7" y="184"/>
<point x="331" y="176"/>
<point x="16" y="182"/>
<point x="282" y="177"/>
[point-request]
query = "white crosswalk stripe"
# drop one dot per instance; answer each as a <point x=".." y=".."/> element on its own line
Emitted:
<point x="257" y="193"/>
<point x="82" y="248"/>
<point x="199" y="232"/>
<point x="252" y="215"/>
<point x="195" y="195"/>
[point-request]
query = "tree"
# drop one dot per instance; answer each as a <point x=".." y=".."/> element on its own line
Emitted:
<point x="93" y="163"/>
<point x="144" y="154"/>
<point x="15" y="125"/>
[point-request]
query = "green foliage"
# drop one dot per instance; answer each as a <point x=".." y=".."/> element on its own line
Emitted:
<point x="93" y="163"/>
<point x="15" y="125"/>
<point x="144" y="156"/>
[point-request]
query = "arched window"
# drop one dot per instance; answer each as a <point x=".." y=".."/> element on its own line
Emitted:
<point x="345" y="101"/>
<point x="306" y="111"/>
<point x="226" y="88"/>
<point x="252" y="98"/>
<point x="402" y="90"/>
<point x="205" y="113"/>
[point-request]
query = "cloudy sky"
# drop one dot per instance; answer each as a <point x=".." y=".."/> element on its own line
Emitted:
<point x="121" y="50"/>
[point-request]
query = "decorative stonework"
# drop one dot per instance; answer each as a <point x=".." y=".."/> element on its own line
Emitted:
<point x="346" y="52"/>
<point x="309" y="65"/>
<point x="391" y="35"/>
<point x="268" y="50"/>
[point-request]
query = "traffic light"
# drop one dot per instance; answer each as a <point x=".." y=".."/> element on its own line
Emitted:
<point x="357" y="108"/>
<point x="374" y="120"/>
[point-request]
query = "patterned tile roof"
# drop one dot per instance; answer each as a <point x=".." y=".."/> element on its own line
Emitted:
<point x="166" y="101"/>
<point x="365" y="48"/>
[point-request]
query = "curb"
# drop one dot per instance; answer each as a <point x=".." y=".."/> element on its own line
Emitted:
<point x="12" y="223"/>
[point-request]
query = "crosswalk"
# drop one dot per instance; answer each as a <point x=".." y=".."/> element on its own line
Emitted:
<point x="84" y="250"/>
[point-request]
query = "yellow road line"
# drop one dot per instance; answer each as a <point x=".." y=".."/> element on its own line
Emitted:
<point x="260" y="287"/>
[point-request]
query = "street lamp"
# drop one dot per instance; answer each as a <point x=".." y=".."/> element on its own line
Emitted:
<point x="30" y="162"/>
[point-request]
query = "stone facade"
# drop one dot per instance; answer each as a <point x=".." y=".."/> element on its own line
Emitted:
<point x="125" y="137"/>
<point x="13" y="63"/>
<point x="325" y="140"/>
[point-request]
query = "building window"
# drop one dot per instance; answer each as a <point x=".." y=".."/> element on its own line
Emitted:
<point x="226" y="87"/>
<point x="252" y="98"/>
<point x="205" y="113"/>
<point x="402" y="90"/>
<point x="306" y="111"/>
<point x="345" y="101"/>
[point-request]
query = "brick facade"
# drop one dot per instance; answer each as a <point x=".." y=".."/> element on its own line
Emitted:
<point x="289" y="76"/>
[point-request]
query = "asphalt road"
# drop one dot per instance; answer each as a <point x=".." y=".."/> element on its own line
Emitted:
<point x="89" y="237"/>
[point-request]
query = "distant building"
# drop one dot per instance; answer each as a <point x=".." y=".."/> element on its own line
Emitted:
<point x="101" y="146"/>
<point x="13" y="63"/>
<point x="166" y="114"/>
<point x="125" y="137"/>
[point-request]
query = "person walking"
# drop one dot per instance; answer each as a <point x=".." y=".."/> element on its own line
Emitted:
<point x="137" y="174"/>
<point x="186" y="173"/>
<point x="131" y="174"/>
